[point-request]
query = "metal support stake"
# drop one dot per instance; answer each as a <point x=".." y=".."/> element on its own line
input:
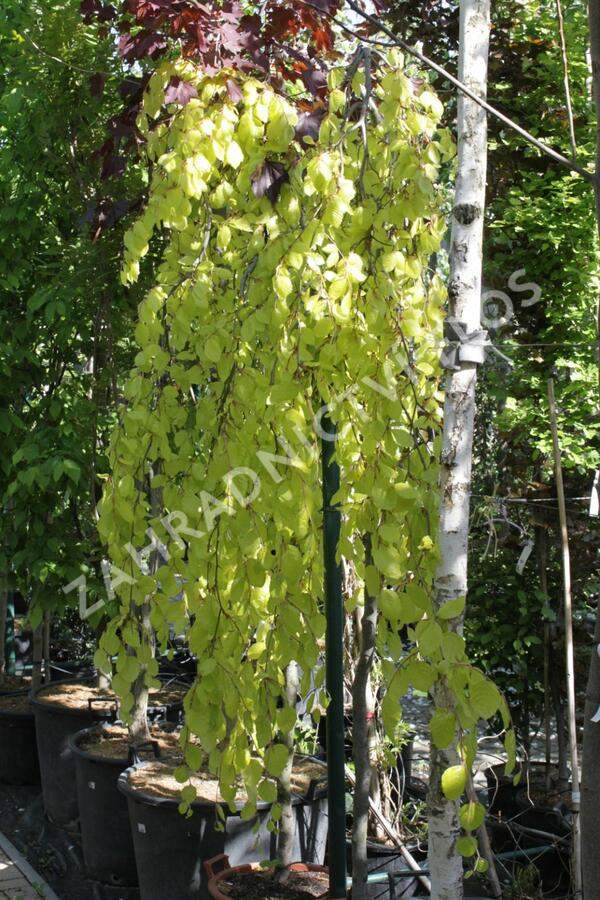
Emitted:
<point x="334" y="667"/>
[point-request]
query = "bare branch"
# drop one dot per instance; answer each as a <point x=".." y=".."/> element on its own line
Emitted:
<point x="565" y="62"/>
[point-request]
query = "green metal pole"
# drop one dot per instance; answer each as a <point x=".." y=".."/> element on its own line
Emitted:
<point x="334" y="668"/>
<point x="10" y="658"/>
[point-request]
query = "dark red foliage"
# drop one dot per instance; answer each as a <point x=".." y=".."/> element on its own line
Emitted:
<point x="269" y="179"/>
<point x="220" y="33"/>
<point x="95" y="9"/>
<point x="309" y="123"/>
<point x="106" y="213"/>
<point x="179" y="91"/>
<point x="291" y="40"/>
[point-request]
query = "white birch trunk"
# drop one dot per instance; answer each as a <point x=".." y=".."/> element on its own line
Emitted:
<point x="464" y="291"/>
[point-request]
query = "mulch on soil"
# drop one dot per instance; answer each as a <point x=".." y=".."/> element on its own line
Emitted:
<point x="157" y="780"/>
<point x="114" y="742"/>
<point x="264" y="886"/>
<point x="76" y="696"/>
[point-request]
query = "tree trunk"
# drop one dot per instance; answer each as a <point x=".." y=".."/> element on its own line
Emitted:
<point x="362" y="739"/>
<point x="46" y="646"/>
<point x="38" y="655"/>
<point x="464" y="296"/>
<point x="287" y="827"/>
<point x="590" y="763"/>
<point x="138" y="726"/>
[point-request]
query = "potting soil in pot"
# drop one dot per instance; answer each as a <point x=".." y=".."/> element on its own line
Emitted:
<point x="264" y="886"/>
<point x="157" y="780"/>
<point x="114" y="743"/>
<point x="76" y="696"/>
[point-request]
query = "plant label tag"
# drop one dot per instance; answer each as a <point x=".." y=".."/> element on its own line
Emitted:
<point x="525" y="554"/>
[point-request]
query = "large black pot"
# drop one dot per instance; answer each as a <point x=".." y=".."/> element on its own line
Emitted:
<point x="18" y="748"/>
<point x="108" y="852"/>
<point x="322" y="733"/>
<point x="170" y="849"/>
<point x="542" y="815"/>
<point x="54" y="726"/>
<point x="383" y="860"/>
<point x="502" y="792"/>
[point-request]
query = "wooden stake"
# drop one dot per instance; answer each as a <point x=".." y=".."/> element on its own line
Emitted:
<point x="569" y="651"/>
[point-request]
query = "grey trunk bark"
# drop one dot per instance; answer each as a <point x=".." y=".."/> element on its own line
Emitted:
<point x="362" y="739"/>
<point x="464" y="296"/>
<point x="138" y="726"/>
<point x="287" y="826"/>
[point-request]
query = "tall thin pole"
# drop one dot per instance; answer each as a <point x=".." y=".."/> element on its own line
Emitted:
<point x="570" y="656"/>
<point x="334" y="667"/>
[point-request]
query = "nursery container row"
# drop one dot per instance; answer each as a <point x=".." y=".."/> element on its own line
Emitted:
<point x="67" y="736"/>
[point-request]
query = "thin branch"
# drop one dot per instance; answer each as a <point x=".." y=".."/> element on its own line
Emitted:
<point x="565" y="62"/>
<point x="396" y="41"/>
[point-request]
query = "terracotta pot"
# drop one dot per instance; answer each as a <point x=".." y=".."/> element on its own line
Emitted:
<point x="216" y="877"/>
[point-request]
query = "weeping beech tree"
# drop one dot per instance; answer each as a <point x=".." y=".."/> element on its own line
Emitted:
<point x="293" y="281"/>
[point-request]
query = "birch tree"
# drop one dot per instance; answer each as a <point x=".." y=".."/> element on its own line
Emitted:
<point x="464" y="298"/>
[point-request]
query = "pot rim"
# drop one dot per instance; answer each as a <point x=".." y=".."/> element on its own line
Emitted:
<point x="53" y="708"/>
<point x="74" y="740"/>
<point x="142" y="796"/>
<point x="90" y="713"/>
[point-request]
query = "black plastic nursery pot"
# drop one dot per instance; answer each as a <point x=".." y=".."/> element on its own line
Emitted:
<point x="55" y="724"/>
<point x="106" y="841"/>
<point x="383" y="860"/>
<point x="322" y="733"/>
<point x="170" y="849"/>
<point x="18" y="748"/>
<point x="518" y="845"/>
<point x="502" y="792"/>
